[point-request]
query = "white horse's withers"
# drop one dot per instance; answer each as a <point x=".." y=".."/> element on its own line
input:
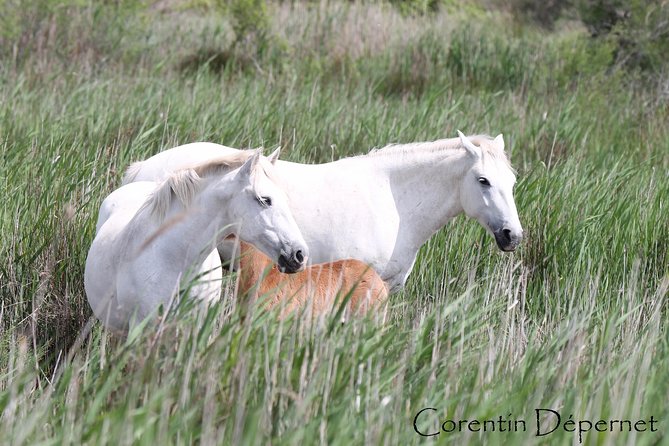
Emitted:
<point x="151" y="237"/>
<point x="381" y="207"/>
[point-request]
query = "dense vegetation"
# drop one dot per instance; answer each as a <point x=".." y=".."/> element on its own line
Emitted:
<point x="576" y="320"/>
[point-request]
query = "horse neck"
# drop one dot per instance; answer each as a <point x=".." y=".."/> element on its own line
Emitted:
<point x="426" y="189"/>
<point x="196" y="229"/>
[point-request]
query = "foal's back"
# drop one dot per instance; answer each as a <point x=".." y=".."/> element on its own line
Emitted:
<point x="321" y="286"/>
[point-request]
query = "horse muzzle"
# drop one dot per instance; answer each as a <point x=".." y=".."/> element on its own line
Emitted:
<point x="508" y="240"/>
<point x="292" y="263"/>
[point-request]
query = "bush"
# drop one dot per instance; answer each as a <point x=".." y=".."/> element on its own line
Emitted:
<point x="416" y="7"/>
<point x="252" y="43"/>
<point x="541" y="13"/>
<point x="249" y="18"/>
<point x="600" y="16"/>
<point x="639" y="30"/>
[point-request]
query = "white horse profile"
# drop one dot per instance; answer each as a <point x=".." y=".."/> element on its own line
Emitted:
<point x="152" y="237"/>
<point x="381" y="207"/>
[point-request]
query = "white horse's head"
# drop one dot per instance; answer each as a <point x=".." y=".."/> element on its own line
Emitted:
<point x="486" y="192"/>
<point x="261" y="209"/>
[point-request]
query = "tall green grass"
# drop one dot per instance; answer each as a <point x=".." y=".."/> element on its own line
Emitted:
<point x="575" y="320"/>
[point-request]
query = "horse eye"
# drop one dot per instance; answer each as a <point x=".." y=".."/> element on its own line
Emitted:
<point x="484" y="181"/>
<point x="265" y="201"/>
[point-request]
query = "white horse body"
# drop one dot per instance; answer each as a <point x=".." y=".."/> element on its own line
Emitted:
<point x="125" y="201"/>
<point x="154" y="237"/>
<point x="382" y="207"/>
<point x="122" y="276"/>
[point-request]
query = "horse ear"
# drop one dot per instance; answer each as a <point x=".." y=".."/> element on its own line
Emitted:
<point x="274" y="155"/>
<point x="469" y="146"/>
<point x="499" y="142"/>
<point x="250" y="165"/>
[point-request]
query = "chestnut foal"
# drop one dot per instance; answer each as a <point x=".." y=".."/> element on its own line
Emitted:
<point x="321" y="286"/>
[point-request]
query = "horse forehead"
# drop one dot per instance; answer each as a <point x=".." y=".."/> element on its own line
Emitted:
<point x="497" y="164"/>
<point x="506" y="173"/>
<point x="264" y="183"/>
<point x="266" y="170"/>
<point x="262" y="180"/>
<point x="506" y="178"/>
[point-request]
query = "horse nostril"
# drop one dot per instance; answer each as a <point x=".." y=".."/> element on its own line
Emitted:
<point x="299" y="256"/>
<point x="507" y="233"/>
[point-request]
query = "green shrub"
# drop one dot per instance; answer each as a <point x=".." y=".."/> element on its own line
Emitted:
<point x="249" y="18"/>
<point x="600" y="16"/>
<point x="573" y="56"/>
<point x="416" y="7"/>
<point x="638" y="29"/>
<point x="539" y="12"/>
<point x="253" y="44"/>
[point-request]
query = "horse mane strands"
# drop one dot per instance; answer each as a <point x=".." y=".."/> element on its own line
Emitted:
<point x="225" y="164"/>
<point x="437" y="146"/>
<point x="485" y="142"/>
<point x="183" y="184"/>
<point x="222" y="165"/>
<point x="229" y="162"/>
<point x="254" y="181"/>
<point x="131" y="173"/>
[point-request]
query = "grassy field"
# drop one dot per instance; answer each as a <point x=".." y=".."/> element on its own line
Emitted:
<point x="575" y="321"/>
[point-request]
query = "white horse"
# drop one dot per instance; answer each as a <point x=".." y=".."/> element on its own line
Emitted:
<point x="381" y="207"/>
<point x="151" y="237"/>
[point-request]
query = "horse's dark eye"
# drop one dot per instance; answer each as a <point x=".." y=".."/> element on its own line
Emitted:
<point x="484" y="181"/>
<point x="265" y="201"/>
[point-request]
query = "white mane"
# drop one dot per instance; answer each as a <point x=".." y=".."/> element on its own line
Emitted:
<point x="185" y="183"/>
<point x="440" y="145"/>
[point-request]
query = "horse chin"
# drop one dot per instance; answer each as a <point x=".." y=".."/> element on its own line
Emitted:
<point x="287" y="267"/>
<point x="508" y="247"/>
<point x="290" y="270"/>
<point x="507" y="239"/>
